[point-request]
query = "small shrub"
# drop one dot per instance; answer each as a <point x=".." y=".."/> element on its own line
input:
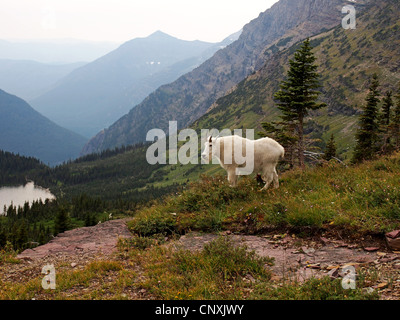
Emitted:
<point x="8" y="254"/>
<point x="140" y="243"/>
<point x="152" y="222"/>
<point x="230" y="261"/>
<point x="214" y="273"/>
<point x="210" y="192"/>
<point x="313" y="289"/>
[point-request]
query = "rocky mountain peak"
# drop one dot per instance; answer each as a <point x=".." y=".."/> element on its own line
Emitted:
<point x="189" y="97"/>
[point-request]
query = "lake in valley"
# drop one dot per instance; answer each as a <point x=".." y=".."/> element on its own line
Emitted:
<point x="19" y="195"/>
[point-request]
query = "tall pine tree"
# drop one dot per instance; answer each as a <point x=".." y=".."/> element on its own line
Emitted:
<point x="385" y="122"/>
<point x="330" y="150"/>
<point x="395" y="125"/>
<point x="296" y="97"/>
<point x="368" y="131"/>
<point x="62" y="221"/>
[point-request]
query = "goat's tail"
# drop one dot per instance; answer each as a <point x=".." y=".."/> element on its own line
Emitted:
<point x="282" y="156"/>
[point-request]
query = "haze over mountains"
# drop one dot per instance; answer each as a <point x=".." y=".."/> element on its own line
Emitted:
<point x="29" y="79"/>
<point x="189" y="97"/>
<point x="60" y="51"/>
<point x="29" y="68"/>
<point x="97" y="94"/>
<point x="23" y="130"/>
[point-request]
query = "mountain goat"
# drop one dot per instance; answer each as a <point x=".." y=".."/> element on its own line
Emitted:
<point x="241" y="156"/>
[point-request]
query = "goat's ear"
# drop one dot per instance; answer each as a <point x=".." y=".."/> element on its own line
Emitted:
<point x="210" y="139"/>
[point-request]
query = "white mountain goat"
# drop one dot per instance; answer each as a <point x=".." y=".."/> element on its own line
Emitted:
<point x="241" y="156"/>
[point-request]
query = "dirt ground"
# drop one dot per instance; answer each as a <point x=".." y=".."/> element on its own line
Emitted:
<point x="296" y="259"/>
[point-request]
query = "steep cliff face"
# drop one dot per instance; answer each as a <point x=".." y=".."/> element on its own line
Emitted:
<point x="188" y="98"/>
<point x="346" y="60"/>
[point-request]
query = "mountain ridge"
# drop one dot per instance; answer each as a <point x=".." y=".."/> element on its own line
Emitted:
<point x="25" y="131"/>
<point x="99" y="93"/>
<point x="54" y="51"/>
<point x="29" y="79"/>
<point x="346" y="59"/>
<point x="189" y="97"/>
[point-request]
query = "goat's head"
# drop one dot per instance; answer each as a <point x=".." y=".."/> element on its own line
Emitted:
<point x="209" y="149"/>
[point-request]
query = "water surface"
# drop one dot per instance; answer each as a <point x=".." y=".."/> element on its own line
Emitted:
<point x="19" y="195"/>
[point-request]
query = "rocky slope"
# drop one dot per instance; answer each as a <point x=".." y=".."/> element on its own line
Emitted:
<point x="188" y="98"/>
<point x="84" y="272"/>
<point x="87" y="241"/>
<point x="346" y="59"/>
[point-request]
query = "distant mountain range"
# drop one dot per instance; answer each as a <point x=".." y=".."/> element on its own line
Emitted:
<point x="99" y="93"/>
<point x="60" y="51"/>
<point x="30" y="79"/>
<point x="188" y="98"/>
<point x="26" y="132"/>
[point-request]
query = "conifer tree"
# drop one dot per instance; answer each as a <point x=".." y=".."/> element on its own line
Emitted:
<point x="42" y="235"/>
<point x="21" y="236"/>
<point x="3" y="238"/>
<point x="284" y="133"/>
<point x="330" y="150"/>
<point x="62" y="221"/>
<point x="395" y="125"/>
<point x="296" y="97"/>
<point x="385" y="122"/>
<point x="367" y="134"/>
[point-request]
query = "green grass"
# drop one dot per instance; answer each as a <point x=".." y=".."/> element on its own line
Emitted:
<point x="93" y="282"/>
<point x="216" y="272"/>
<point x="362" y="199"/>
<point x="222" y="271"/>
<point x="226" y="271"/>
<point x="313" y="289"/>
<point x="8" y="254"/>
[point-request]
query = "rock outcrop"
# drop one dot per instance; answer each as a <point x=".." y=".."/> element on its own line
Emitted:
<point x="99" y="239"/>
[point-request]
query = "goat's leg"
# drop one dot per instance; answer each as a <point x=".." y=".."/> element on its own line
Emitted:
<point x="232" y="177"/>
<point x="276" y="179"/>
<point x="268" y="178"/>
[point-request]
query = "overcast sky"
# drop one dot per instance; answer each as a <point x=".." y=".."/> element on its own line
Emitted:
<point x="122" y="20"/>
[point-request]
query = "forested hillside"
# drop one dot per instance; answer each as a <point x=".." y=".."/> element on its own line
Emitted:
<point x="120" y="174"/>
<point x="15" y="169"/>
<point x="95" y="188"/>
